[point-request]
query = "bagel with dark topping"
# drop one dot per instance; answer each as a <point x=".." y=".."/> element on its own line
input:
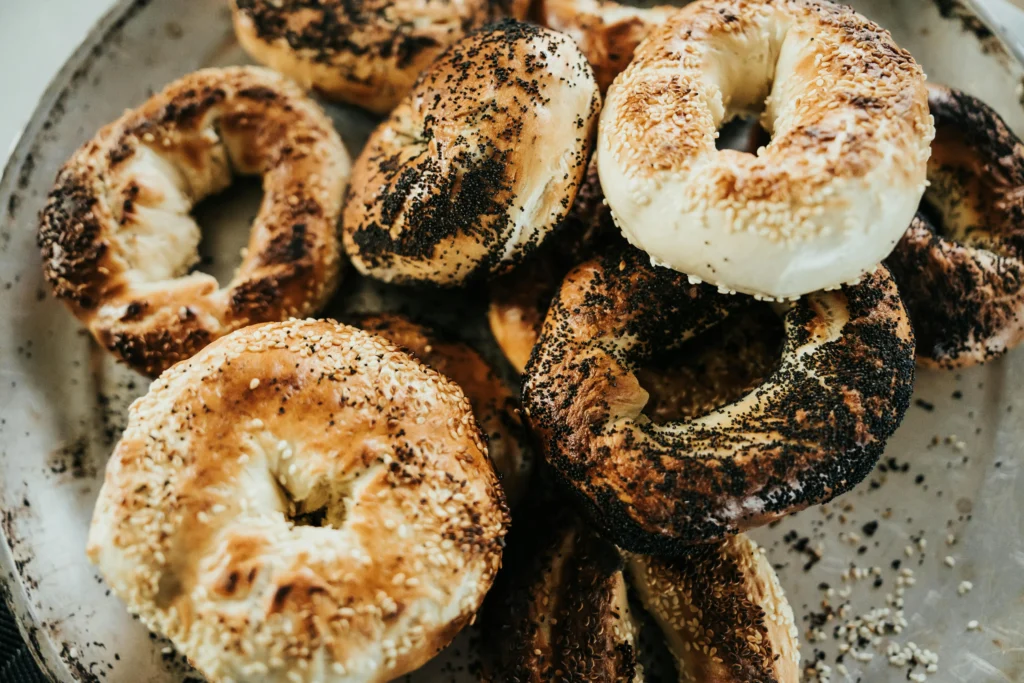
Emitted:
<point x="495" y="406"/>
<point x="118" y="241"/>
<point x="478" y="163"/>
<point x="561" y="611"/>
<point x="960" y="265"/>
<point x="811" y="431"/>
<point x="362" y="52"/>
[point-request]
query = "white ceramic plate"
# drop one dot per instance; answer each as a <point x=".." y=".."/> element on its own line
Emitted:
<point x="62" y="402"/>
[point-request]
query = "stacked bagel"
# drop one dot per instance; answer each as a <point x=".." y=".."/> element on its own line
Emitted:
<point x="707" y="339"/>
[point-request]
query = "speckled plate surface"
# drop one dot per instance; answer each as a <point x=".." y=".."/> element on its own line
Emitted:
<point x="951" y="484"/>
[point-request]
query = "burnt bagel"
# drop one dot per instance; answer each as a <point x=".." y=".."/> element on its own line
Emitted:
<point x="560" y="611"/>
<point x="118" y="240"/>
<point x="362" y="52"/>
<point x="811" y="431"/>
<point x="960" y="265"/>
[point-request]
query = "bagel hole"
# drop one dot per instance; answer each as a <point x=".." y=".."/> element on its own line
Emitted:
<point x="743" y="134"/>
<point x="225" y="222"/>
<point x="715" y="368"/>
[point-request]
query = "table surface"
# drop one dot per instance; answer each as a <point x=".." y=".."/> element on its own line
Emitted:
<point x="35" y="39"/>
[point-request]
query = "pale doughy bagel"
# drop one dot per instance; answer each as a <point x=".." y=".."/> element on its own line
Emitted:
<point x="607" y="32"/>
<point x="367" y="52"/>
<point x="960" y="266"/>
<point x="479" y="163"/>
<point x="830" y="195"/>
<point x="118" y="242"/>
<point x="560" y="611"/>
<point x="301" y="502"/>
<point x="811" y="431"/>
<point x="495" y="406"/>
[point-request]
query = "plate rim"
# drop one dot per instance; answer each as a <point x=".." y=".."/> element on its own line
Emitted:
<point x="12" y="589"/>
<point x="11" y="581"/>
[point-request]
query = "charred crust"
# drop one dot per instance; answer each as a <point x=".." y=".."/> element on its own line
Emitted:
<point x="334" y="28"/>
<point x="960" y="265"/>
<point x="97" y="198"/>
<point x="554" y="613"/>
<point x="71" y="241"/>
<point x="152" y="351"/>
<point x="815" y="427"/>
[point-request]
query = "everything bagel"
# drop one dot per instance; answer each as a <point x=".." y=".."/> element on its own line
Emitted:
<point x="560" y="611"/>
<point x="118" y="242"/>
<point x="812" y="430"/>
<point x="824" y="202"/>
<point x="495" y="406"/>
<point x="301" y="501"/>
<point x="478" y="163"/>
<point x="368" y="52"/>
<point x="960" y="266"/>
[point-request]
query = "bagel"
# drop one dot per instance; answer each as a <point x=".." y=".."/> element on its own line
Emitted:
<point x="300" y="501"/>
<point x="607" y="32"/>
<point x="824" y="202"/>
<point x="519" y="299"/>
<point x="367" y="53"/>
<point x="960" y="266"/>
<point x="118" y="242"/>
<point x="478" y="164"/>
<point x="495" y="406"/>
<point x="810" y="432"/>
<point x="560" y="611"/>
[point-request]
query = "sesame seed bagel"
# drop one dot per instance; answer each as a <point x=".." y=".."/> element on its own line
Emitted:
<point x="560" y="611"/>
<point x="607" y="32"/>
<point x="824" y="202"/>
<point x="811" y="431"/>
<point x="494" y="404"/>
<point x="367" y="53"/>
<point x="960" y="266"/>
<point x="478" y="164"/>
<point x="301" y="501"/>
<point x="118" y="242"/>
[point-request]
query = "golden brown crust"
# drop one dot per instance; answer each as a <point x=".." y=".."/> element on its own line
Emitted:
<point x="495" y="406"/>
<point x="607" y="32"/>
<point x="960" y="266"/>
<point x="724" y="614"/>
<point x="478" y="164"/>
<point x="363" y="52"/>
<point x="301" y="496"/>
<point x="117" y="241"/>
<point x="811" y="431"/>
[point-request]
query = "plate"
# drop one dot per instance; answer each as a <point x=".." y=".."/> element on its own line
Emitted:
<point x="950" y="484"/>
